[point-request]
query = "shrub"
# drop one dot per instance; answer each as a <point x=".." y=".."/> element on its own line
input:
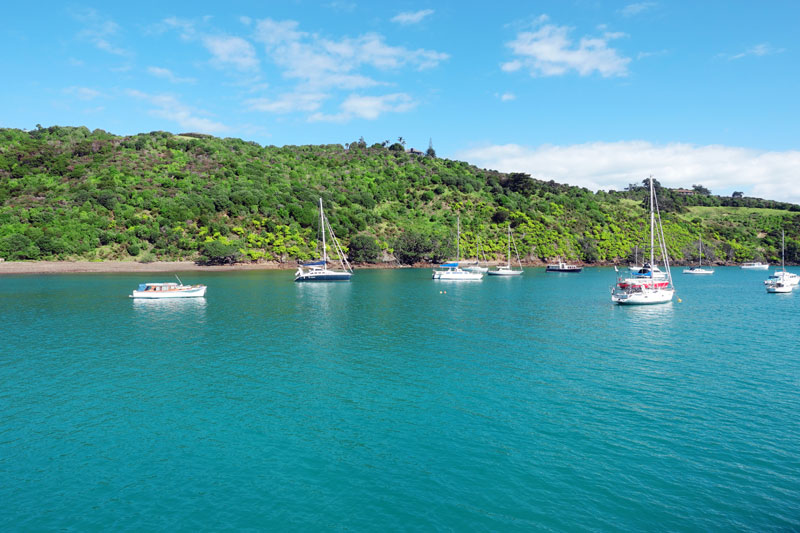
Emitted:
<point x="364" y="249"/>
<point x="219" y="253"/>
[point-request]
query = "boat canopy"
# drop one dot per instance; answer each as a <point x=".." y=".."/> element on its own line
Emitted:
<point x="314" y="263"/>
<point x="449" y="265"/>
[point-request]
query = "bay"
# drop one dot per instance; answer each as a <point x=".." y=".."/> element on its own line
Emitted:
<point x="398" y="402"/>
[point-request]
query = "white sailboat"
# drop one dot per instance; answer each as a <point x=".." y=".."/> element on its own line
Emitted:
<point x="506" y="270"/>
<point x="649" y="285"/>
<point x="699" y="268"/>
<point x="782" y="281"/>
<point x="318" y="270"/>
<point x="452" y="271"/>
<point x="476" y="267"/>
<point x="635" y="267"/>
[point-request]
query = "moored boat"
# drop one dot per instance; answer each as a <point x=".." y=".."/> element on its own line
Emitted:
<point x="153" y="291"/>
<point x="475" y="266"/>
<point x="506" y="270"/>
<point x="754" y="265"/>
<point x="318" y="270"/>
<point x="452" y="271"/>
<point x="699" y="268"/>
<point x="782" y="281"/>
<point x="563" y="267"/>
<point x="790" y="278"/>
<point x="649" y="285"/>
<point x="779" y="287"/>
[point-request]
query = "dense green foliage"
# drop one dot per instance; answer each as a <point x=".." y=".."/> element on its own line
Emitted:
<point x="69" y="193"/>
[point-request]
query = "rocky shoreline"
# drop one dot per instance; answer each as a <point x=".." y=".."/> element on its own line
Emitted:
<point x="72" y="267"/>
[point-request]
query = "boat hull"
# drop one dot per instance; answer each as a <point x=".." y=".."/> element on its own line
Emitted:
<point x="755" y="267"/>
<point x="460" y="275"/>
<point x="779" y="288"/>
<point x="323" y="276"/>
<point x="646" y="297"/>
<point x="697" y="271"/>
<point x="194" y="292"/>
<point x="559" y="269"/>
<point x="504" y="272"/>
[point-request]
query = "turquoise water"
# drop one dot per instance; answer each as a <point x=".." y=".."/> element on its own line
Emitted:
<point x="398" y="402"/>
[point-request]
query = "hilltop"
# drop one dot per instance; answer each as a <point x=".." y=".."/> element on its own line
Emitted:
<point x="68" y="193"/>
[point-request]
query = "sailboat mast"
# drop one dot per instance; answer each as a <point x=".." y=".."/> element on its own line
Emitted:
<point x="783" y="252"/>
<point x="322" y="229"/>
<point x="508" y="257"/>
<point x="458" y="238"/>
<point x="652" y="224"/>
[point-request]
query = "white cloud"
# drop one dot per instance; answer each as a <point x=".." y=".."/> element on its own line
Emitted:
<point x="83" y="93"/>
<point x="325" y="63"/>
<point x="100" y="31"/>
<point x="549" y="51"/>
<point x="186" y="28"/>
<point x="323" y="68"/>
<point x="167" y="74"/>
<point x="342" y="6"/>
<point x="600" y="165"/>
<point x="170" y="108"/>
<point x="634" y="9"/>
<point x="233" y="51"/>
<point x="288" y="103"/>
<point x="412" y="17"/>
<point x="507" y="97"/>
<point x="763" y="49"/>
<point x="368" y="107"/>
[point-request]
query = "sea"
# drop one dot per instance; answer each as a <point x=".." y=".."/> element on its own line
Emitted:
<point x="394" y="402"/>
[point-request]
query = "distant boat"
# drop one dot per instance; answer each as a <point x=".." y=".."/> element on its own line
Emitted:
<point x="649" y="285"/>
<point x="635" y="266"/>
<point x="318" y="270"/>
<point x="506" y="270"/>
<point x="782" y="281"/>
<point x="755" y="265"/>
<point x="563" y="267"/>
<point x="699" y="268"/>
<point x="475" y="266"/>
<point x="452" y="271"/>
<point x="158" y="291"/>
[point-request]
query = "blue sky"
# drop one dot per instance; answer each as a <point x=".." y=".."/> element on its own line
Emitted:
<point x="592" y="93"/>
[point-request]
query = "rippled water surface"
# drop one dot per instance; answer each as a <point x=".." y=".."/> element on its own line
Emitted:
<point x="398" y="402"/>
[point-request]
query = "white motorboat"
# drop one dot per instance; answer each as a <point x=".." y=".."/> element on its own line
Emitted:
<point x="154" y="291"/>
<point x="649" y="285"/>
<point x="754" y="265"/>
<point x="506" y="270"/>
<point x="318" y="270"/>
<point x="452" y="271"/>
<point x="699" y="268"/>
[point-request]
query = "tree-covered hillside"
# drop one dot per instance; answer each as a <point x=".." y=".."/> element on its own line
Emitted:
<point x="70" y="193"/>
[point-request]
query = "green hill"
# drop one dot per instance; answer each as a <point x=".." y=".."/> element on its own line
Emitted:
<point x="71" y="193"/>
